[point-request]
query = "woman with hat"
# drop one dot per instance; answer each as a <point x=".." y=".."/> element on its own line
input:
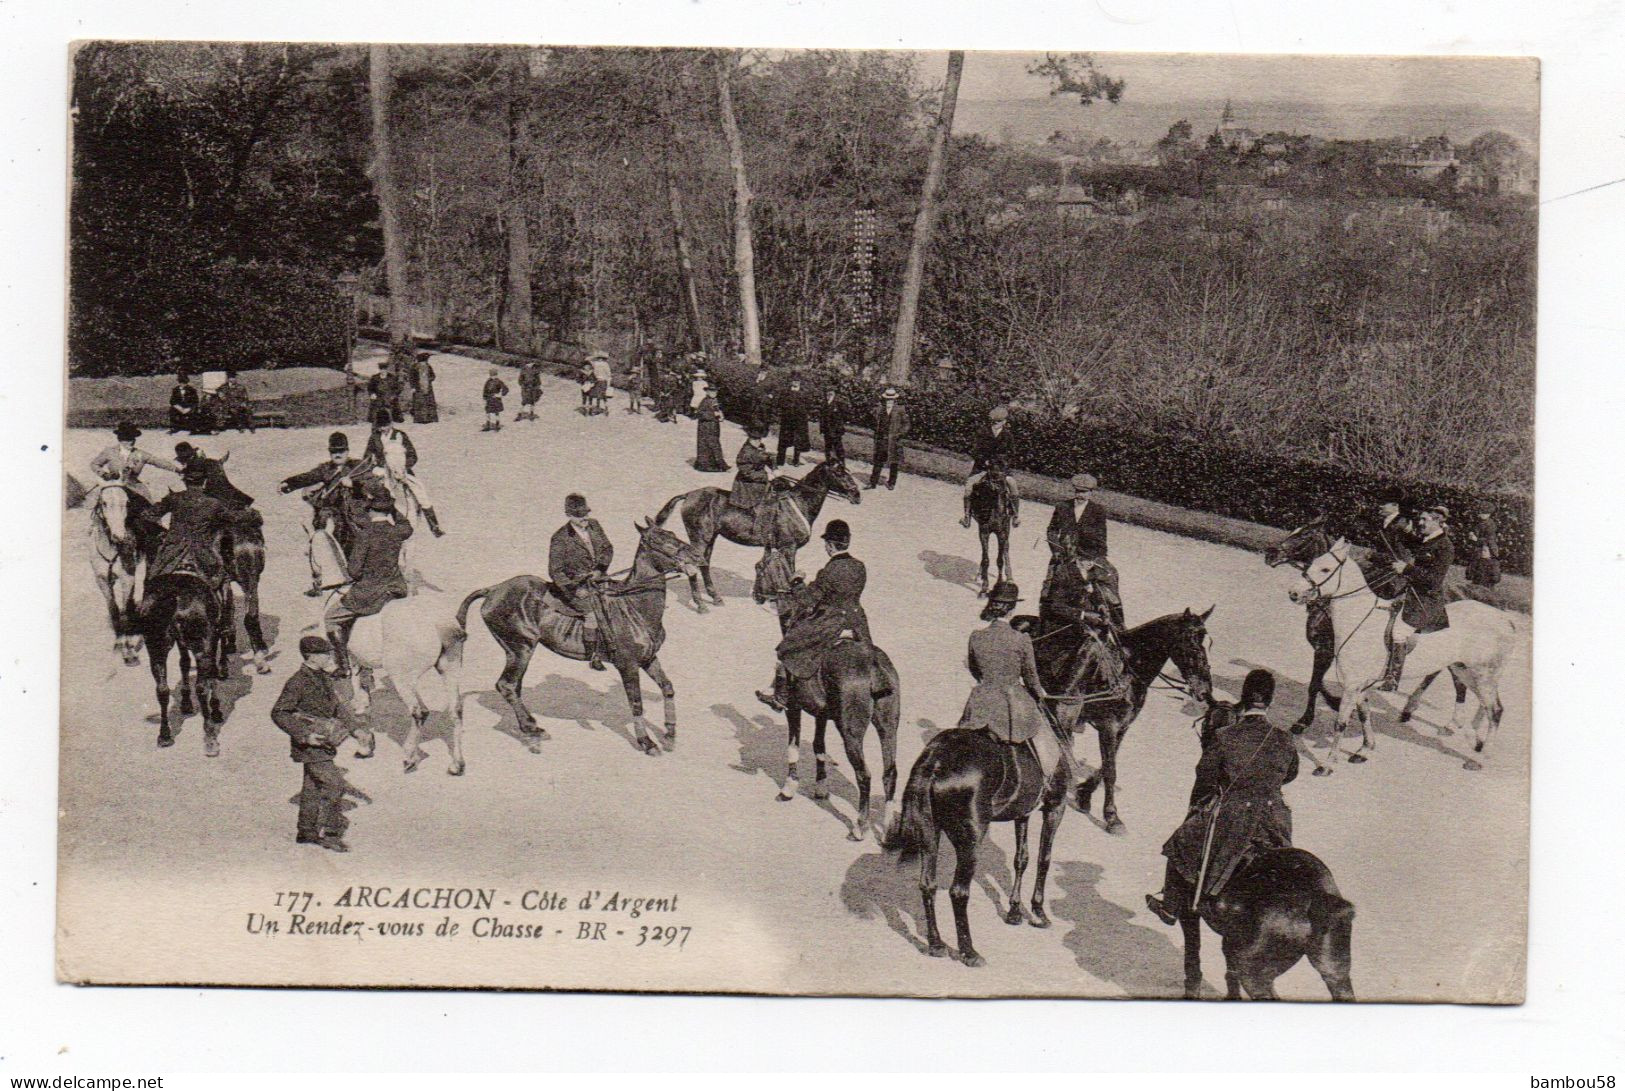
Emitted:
<point x="1008" y="701"/>
<point x="578" y="559"/>
<point x="753" y="480"/>
<point x="425" y="410"/>
<point x="124" y="461"/>
<point x="891" y="426"/>
<point x="708" y="444"/>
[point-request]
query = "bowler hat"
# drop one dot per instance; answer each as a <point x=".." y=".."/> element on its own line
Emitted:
<point x="575" y="506"/>
<point x="314" y="645"/>
<point x="184" y="452"/>
<point x="1005" y="593"/>
<point x="838" y="532"/>
<point x="338" y="441"/>
<point x="1257" y="689"/>
<point x="756" y="430"/>
<point x="126" y="430"/>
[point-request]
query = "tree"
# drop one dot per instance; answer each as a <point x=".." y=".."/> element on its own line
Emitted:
<point x="744" y="252"/>
<point x="521" y="330"/>
<point x="924" y="222"/>
<point x="1176" y="147"/>
<point x="381" y="81"/>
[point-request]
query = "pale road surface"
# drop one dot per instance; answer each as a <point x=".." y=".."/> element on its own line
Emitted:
<point x="166" y="853"/>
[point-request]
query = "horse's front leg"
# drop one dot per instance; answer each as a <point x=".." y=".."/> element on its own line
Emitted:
<point x="820" y="756"/>
<point x="1014" y="914"/>
<point x="1054" y="811"/>
<point x="1111" y="737"/>
<point x="668" y="699"/>
<point x="158" y="659"/>
<point x="1006" y="567"/>
<point x="209" y="675"/>
<point x="633" y="686"/>
<point x="852" y="739"/>
<point x="1322" y="643"/>
<point x="251" y="625"/>
<point x="792" y="750"/>
<point x="705" y="572"/>
<point x="188" y="705"/>
<point x="981" y="586"/>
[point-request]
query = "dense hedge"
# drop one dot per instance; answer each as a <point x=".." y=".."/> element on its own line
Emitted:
<point x="1203" y="475"/>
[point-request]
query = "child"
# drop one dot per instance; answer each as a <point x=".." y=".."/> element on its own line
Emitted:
<point x="495" y="388"/>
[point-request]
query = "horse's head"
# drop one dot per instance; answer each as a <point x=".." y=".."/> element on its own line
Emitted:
<point x="1324" y="576"/>
<point x="839" y="480"/>
<point x="667" y="551"/>
<point x="113" y="509"/>
<point x="1188" y="650"/>
<point x="1301" y="546"/>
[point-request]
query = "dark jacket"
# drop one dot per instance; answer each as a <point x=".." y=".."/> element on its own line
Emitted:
<point x="189" y="543"/>
<point x="217" y="485"/>
<point x="1239" y="780"/>
<point x="891" y="431"/>
<point x="1483" y="554"/>
<point x="1074" y="534"/>
<point x="1424" y="577"/>
<point x="385" y="386"/>
<point x="990" y="448"/>
<point x="340" y="507"/>
<point x="306" y="708"/>
<point x="793" y="419"/>
<point x="830" y="605"/>
<point x="570" y="561"/>
<point x="374" y="562"/>
<point x="832" y="419"/>
<point x="752" y="479"/>
<point x="183" y="398"/>
<point x="530" y="381"/>
<point x="375" y="449"/>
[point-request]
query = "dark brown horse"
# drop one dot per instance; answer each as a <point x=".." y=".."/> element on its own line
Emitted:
<point x="1065" y="666"/>
<point x="994" y="512"/>
<point x="962" y="782"/>
<point x="707" y="515"/>
<point x="522" y="613"/>
<point x="1281" y="905"/>
<point x="844" y="692"/>
<point x="243" y="549"/>
<point x="1298" y="550"/>
<point x="182" y="611"/>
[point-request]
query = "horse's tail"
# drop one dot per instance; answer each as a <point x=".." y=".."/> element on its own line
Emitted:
<point x="462" y="611"/>
<point x="670" y="506"/>
<point x="916" y="826"/>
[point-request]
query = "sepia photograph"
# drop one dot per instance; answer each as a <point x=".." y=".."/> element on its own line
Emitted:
<point x="803" y="522"/>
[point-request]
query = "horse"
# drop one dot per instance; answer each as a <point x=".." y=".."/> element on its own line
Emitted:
<point x="1281" y="905"/>
<point x="120" y="551"/>
<point x="403" y="644"/>
<point x="523" y="612"/>
<point x="243" y="548"/>
<point x="1297" y="549"/>
<point x="994" y="511"/>
<point x="1067" y="668"/>
<point x="1475" y="647"/>
<point x="962" y="782"/>
<point x="707" y="515"/>
<point x="844" y="692"/>
<point x="181" y="610"/>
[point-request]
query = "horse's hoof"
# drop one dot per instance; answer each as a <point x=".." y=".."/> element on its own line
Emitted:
<point x="211" y="748"/>
<point x="1471" y="766"/>
<point x="188" y="709"/>
<point x="165" y="741"/>
<point x="1014" y="915"/>
<point x="1301" y="726"/>
<point x="1478" y="747"/>
<point x="455" y="769"/>
<point x="1039" y="919"/>
<point x="701" y="608"/>
<point x="855" y="834"/>
<point x="649" y="747"/>
<point x="820" y="792"/>
<point x="1405" y="717"/>
<point x="1115" y="825"/>
<point x="1357" y="759"/>
<point x="785" y="795"/>
<point x="937" y="950"/>
<point x="972" y="959"/>
<point x="410" y="765"/>
<point x="1323" y="771"/>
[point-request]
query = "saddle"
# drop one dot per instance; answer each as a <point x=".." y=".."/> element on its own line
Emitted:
<point x="1021" y="777"/>
<point x="556" y="600"/>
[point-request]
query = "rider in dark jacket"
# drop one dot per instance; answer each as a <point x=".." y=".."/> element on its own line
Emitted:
<point x="831" y="607"/>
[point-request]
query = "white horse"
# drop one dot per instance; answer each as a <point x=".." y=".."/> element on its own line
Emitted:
<point x="119" y="566"/>
<point x="1474" y="648"/>
<point x="403" y="644"/>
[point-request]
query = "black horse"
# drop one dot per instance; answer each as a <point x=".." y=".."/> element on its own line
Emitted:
<point x="182" y="611"/>
<point x="1281" y="905"/>
<point x="1298" y="550"/>
<point x="1065" y="666"/>
<point x="844" y="691"/>
<point x="243" y="549"/>
<point x="994" y="511"/>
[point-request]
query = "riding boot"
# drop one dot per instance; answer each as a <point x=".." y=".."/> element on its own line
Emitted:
<point x="1169" y="904"/>
<point x="779" y="697"/>
<point x="1396" y="666"/>
<point x="434" y="523"/>
<point x="595" y="649"/>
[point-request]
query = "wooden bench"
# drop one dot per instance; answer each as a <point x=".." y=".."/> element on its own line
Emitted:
<point x="271" y="418"/>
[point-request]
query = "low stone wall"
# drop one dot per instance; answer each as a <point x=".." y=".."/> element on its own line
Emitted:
<point x="308" y="396"/>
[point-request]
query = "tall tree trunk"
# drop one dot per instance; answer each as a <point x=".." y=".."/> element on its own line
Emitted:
<point x="679" y="235"/>
<point x="383" y="184"/>
<point x="744" y="252"/>
<point x="521" y="321"/>
<point x="924" y="224"/>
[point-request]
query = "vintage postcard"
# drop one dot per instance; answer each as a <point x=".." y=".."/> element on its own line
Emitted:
<point x="798" y="522"/>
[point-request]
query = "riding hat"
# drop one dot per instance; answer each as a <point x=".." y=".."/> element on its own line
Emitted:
<point x="422" y="355"/>
<point x="1440" y="510"/>
<point x="126" y="430"/>
<point x="184" y="452"/>
<point x="183" y="376"/>
<point x="710" y="387"/>
<point x="756" y="430"/>
<point x="1084" y="482"/>
<point x="1005" y="593"/>
<point x="575" y="506"/>
<point x="314" y="645"/>
<point x="890" y="394"/>
<point x="338" y="441"/>
<point x="1257" y="689"/>
<point x="838" y="532"/>
<point x="999" y="412"/>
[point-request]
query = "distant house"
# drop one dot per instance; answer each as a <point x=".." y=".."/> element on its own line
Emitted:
<point x="1422" y="159"/>
<point x="1232" y="134"/>
<point x="1498" y="178"/>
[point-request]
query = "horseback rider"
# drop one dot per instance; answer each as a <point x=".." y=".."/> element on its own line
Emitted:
<point x="992" y="450"/>
<point x="335" y="494"/>
<point x="391" y="450"/>
<point x="124" y="461"/>
<point x="216" y="484"/>
<point x="189" y="545"/>
<point x="754" y="482"/>
<point x="1077" y="544"/>
<point x="374" y="562"/>
<point x="578" y="559"/>
<point x="1423" y="577"/>
<point x="1236" y="804"/>
<point x="1008" y="700"/>
<point x="832" y="608"/>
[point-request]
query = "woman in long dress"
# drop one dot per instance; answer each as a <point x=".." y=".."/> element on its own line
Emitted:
<point x="708" y="448"/>
<point x="425" y="410"/>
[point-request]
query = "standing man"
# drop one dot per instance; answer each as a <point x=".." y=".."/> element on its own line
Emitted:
<point x="1484" y="558"/>
<point x="833" y="607"/>
<point x="578" y="560"/>
<point x="832" y="425"/>
<point x="1423" y="577"/>
<point x="316" y="721"/>
<point x="530" y="389"/>
<point x="1236" y="805"/>
<point x="184" y="406"/>
<point x="1077" y="535"/>
<point x="383" y="390"/>
<point x="761" y="396"/>
<point x="993" y="446"/>
<point x="375" y="573"/>
<point x="891" y="427"/>
<point x="493" y="391"/>
<point x="393" y="455"/>
<point x="793" y="423"/>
